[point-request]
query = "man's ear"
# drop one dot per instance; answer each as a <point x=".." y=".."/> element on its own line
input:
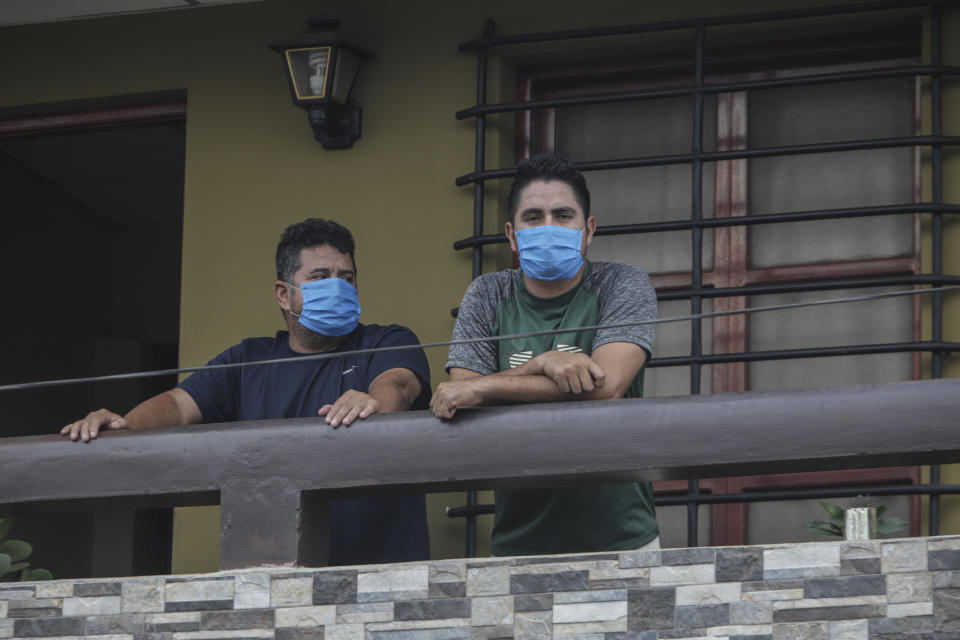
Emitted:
<point x="511" y="236"/>
<point x="281" y="293"/>
<point x="590" y="229"/>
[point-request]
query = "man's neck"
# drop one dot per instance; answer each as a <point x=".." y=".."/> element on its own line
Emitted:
<point x="309" y="342"/>
<point x="552" y="288"/>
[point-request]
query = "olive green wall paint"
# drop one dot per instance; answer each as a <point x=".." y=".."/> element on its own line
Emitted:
<point x="252" y="166"/>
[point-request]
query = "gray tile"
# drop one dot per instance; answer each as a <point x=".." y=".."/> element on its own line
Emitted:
<point x="593" y="557"/>
<point x="827" y="613"/>
<point x="845" y="586"/>
<point x="448" y="589"/>
<point x="772" y="585"/>
<point x="171" y="627"/>
<point x="946" y="579"/>
<point x="432" y="609"/>
<point x="859" y="566"/>
<point x="48" y="627"/>
<point x="241" y="619"/>
<point x="630" y="635"/>
<point x="114" y="625"/>
<point x="703" y="615"/>
<point x="946" y="609"/>
<point x="739" y="565"/>
<point x="549" y="582"/>
<point x="943" y="560"/>
<point x="335" y="587"/>
<point x="693" y="555"/>
<point x="758" y="636"/>
<point x="448" y="633"/>
<point x="87" y="589"/>
<point x="894" y="626"/>
<point x="649" y="609"/>
<point x="299" y="633"/>
<point x="619" y="583"/>
<point x="533" y="602"/>
<point x="198" y="605"/>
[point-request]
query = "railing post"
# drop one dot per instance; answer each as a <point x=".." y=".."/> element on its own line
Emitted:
<point x="272" y="523"/>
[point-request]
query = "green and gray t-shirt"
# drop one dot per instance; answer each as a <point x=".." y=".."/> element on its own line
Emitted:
<point x="568" y="520"/>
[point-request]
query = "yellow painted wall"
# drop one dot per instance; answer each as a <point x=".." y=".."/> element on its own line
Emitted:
<point x="252" y="166"/>
<point x="950" y="474"/>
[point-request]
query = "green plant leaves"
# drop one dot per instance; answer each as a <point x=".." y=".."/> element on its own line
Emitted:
<point x="835" y="512"/>
<point x="822" y="526"/>
<point x="28" y="575"/>
<point x="5" y="563"/>
<point x="5" y="524"/>
<point x="16" y="549"/>
<point x="890" y="525"/>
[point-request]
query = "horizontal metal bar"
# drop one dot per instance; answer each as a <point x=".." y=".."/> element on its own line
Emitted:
<point x="672" y="25"/>
<point x="707" y="89"/>
<point x="765" y="495"/>
<point x="710" y="223"/>
<point x="809" y="285"/>
<point x="811" y="352"/>
<point x="733" y="154"/>
<point x="808" y="494"/>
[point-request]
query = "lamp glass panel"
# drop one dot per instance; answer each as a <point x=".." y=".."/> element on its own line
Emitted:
<point x="309" y="69"/>
<point x="344" y="74"/>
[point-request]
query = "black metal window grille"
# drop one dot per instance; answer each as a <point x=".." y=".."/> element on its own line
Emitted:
<point x="935" y="141"/>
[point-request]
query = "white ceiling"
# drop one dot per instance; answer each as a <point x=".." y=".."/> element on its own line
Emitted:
<point x="14" y="12"/>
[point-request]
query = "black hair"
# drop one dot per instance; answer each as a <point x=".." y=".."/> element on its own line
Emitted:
<point x="312" y="232"/>
<point x="547" y="167"/>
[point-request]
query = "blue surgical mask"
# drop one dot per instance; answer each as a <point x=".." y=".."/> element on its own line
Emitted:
<point x="330" y="306"/>
<point x="549" y="252"/>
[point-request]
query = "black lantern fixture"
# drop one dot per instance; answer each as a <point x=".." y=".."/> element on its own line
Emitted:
<point x="321" y="68"/>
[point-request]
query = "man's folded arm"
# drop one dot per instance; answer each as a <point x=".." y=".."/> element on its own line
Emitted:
<point x="549" y="377"/>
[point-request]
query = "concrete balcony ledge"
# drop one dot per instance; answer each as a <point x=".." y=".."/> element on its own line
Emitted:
<point x="288" y="469"/>
<point x="895" y="589"/>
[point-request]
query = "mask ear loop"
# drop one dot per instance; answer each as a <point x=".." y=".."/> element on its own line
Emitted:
<point x="290" y="311"/>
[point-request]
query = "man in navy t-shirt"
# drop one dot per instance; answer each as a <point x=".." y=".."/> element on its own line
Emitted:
<point x="316" y="289"/>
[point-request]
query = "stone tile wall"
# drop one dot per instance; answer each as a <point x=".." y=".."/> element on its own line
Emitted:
<point x="895" y="590"/>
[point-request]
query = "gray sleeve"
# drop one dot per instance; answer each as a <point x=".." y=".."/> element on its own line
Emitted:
<point x="626" y="295"/>
<point x="476" y="318"/>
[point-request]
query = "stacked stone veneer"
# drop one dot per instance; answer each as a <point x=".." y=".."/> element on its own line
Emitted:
<point x="901" y="589"/>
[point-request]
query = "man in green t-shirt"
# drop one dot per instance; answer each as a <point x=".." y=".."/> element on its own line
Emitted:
<point x="555" y="288"/>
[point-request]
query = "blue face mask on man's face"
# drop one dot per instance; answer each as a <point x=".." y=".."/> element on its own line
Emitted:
<point x="330" y="306"/>
<point x="549" y="252"/>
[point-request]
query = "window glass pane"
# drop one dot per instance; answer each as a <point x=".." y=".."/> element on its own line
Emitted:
<point x="828" y="113"/>
<point x="868" y="322"/>
<point x="672" y="521"/>
<point x="645" y="194"/>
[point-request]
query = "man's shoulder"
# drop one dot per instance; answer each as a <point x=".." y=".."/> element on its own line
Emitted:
<point x="499" y="284"/>
<point x="374" y="334"/>
<point x="603" y="270"/>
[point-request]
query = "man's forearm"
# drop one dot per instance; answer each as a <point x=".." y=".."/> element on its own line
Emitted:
<point x="513" y="388"/>
<point x="395" y="390"/>
<point x="163" y="410"/>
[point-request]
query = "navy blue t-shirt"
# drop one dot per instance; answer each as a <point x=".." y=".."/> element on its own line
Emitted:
<point x="365" y="530"/>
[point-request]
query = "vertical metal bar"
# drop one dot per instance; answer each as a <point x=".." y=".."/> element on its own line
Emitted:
<point x="936" y="126"/>
<point x="478" y="202"/>
<point x="696" y="215"/>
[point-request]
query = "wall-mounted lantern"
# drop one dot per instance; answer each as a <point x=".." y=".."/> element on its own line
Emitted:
<point x="321" y="68"/>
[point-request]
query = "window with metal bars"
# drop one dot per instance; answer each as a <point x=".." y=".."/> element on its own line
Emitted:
<point x="749" y="175"/>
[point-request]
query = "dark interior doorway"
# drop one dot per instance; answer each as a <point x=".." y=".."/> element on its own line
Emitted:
<point x="92" y="208"/>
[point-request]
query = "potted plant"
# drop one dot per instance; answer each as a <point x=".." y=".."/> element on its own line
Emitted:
<point x="13" y="555"/>
<point x="860" y="521"/>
